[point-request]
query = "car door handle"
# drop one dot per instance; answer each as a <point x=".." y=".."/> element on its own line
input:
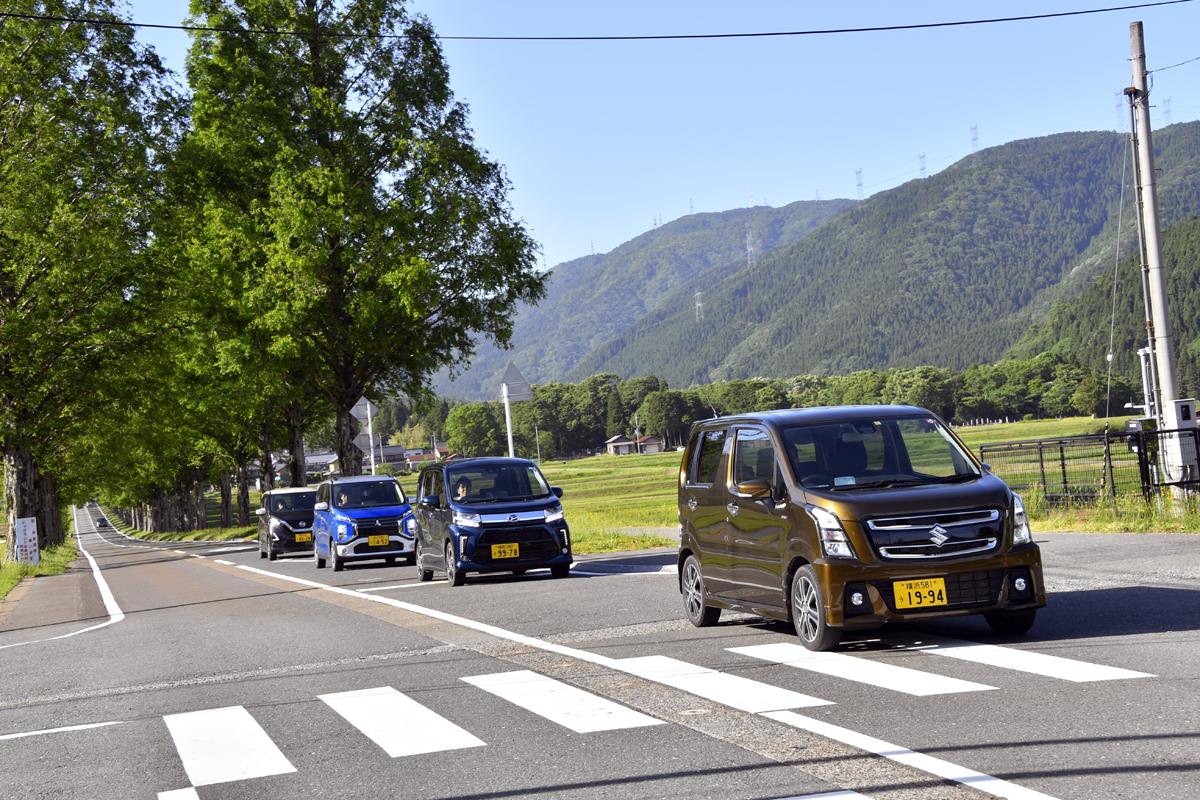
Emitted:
<point x="733" y="508"/>
<point x="691" y="504"/>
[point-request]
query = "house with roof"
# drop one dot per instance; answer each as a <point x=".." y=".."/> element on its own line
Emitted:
<point x="620" y="445"/>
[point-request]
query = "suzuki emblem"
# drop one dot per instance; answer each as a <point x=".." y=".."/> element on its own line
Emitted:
<point x="937" y="535"/>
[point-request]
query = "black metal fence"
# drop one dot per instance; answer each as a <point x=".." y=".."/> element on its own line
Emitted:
<point x="1088" y="469"/>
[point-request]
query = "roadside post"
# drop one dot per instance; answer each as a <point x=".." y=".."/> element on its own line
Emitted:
<point x="26" y="538"/>
<point x="514" y="387"/>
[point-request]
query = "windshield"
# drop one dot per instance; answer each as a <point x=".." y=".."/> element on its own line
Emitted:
<point x="365" y="495"/>
<point x="489" y="483"/>
<point x="871" y="453"/>
<point x="293" y="501"/>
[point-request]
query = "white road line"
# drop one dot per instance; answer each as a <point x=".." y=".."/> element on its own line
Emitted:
<point x="1067" y="669"/>
<point x="179" y="794"/>
<point x="61" y="730"/>
<point x="928" y="764"/>
<point x="402" y="586"/>
<point x="720" y="687"/>
<point x="115" y="614"/>
<point x="844" y="794"/>
<point x="223" y="561"/>
<point x="861" y="670"/>
<point x="399" y="724"/>
<point x="569" y="706"/>
<point x="935" y="766"/>
<point x="231" y="549"/>
<point x="180" y="552"/>
<point x="224" y="744"/>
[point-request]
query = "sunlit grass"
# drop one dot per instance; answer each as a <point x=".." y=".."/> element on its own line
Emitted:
<point x="54" y="561"/>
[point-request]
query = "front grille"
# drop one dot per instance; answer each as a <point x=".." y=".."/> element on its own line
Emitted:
<point x="963" y="590"/>
<point x="944" y="534"/>
<point x="536" y="545"/>
<point x="371" y="527"/>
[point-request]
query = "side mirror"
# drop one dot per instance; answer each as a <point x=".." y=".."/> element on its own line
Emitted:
<point x="986" y="466"/>
<point x="429" y="501"/>
<point x="259" y="512"/>
<point x="757" y="489"/>
<point x="557" y="490"/>
<point x="321" y="507"/>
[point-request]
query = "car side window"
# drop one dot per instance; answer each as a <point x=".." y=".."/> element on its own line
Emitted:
<point x="707" y="458"/>
<point x="323" y="493"/>
<point x="435" y="485"/>
<point x="753" y="456"/>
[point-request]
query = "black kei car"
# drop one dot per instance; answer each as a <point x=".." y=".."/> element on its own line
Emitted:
<point x="285" y="522"/>
<point x="489" y="515"/>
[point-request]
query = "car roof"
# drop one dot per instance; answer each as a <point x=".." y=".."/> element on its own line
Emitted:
<point x="482" y="461"/>
<point x="291" y="490"/>
<point x="362" y="479"/>
<point x="818" y="415"/>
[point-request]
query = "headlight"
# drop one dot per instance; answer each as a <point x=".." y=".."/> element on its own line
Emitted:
<point x="554" y="513"/>
<point x="833" y="537"/>
<point x="466" y="520"/>
<point x="344" y="532"/>
<point x="1021" y="532"/>
<point x="410" y="525"/>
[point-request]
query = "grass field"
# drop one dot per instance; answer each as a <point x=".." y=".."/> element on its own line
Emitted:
<point x="976" y="435"/>
<point x="54" y="561"/>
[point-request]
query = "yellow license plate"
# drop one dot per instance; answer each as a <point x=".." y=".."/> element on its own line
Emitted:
<point x="923" y="593"/>
<point x="303" y="537"/>
<point x="377" y="541"/>
<point x="506" y="550"/>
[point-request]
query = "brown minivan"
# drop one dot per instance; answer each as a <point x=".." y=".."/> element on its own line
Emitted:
<point x="848" y="517"/>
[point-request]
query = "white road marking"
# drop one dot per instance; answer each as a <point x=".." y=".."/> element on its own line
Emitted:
<point x="928" y="764"/>
<point x="232" y="549"/>
<point x="1067" y="669"/>
<point x="861" y="670"/>
<point x="180" y="552"/>
<point x="844" y="794"/>
<point x="399" y="724"/>
<point x="179" y="794"/>
<point x="735" y="691"/>
<point x="402" y="586"/>
<point x="224" y="744"/>
<point x="115" y="614"/>
<point x="569" y="706"/>
<point x="61" y="730"/>
<point x="223" y="561"/>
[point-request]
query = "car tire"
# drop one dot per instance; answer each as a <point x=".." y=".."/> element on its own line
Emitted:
<point x="423" y="575"/>
<point x="808" y="612"/>
<point x="317" y="557"/>
<point x="560" y="570"/>
<point x="1011" y="623"/>
<point x="454" y="575"/>
<point x="335" y="562"/>
<point x="261" y="554"/>
<point x="271" y="554"/>
<point x="692" y="586"/>
<point x="411" y="560"/>
<point x="390" y="561"/>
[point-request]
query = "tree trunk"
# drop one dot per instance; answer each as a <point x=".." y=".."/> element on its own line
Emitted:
<point x="20" y="492"/>
<point x="297" y="473"/>
<point x="349" y="456"/>
<point x="50" y="525"/>
<point x="199" y="504"/>
<point x="243" y="499"/>
<point x="226" y="500"/>
<point x="266" y="463"/>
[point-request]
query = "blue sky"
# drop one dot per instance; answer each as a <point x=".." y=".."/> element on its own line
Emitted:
<point x="601" y="139"/>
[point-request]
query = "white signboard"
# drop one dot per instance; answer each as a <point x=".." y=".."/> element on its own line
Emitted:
<point x="27" y="540"/>
<point x="518" y="387"/>
<point x="364" y="442"/>
<point x="364" y="408"/>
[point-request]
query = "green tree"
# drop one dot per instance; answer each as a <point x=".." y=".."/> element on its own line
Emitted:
<point x="388" y="243"/>
<point x="615" y="416"/>
<point x="477" y="429"/>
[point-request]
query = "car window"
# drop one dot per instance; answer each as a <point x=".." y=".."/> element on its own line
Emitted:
<point x="485" y="483"/>
<point x="707" y="457"/>
<point x="753" y="456"/>
<point x="292" y="501"/>
<point x="369" y="494"/>
<point x="323" y="493"/>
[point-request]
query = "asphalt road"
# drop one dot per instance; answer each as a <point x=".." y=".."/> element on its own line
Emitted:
<point x="198" y="670"/>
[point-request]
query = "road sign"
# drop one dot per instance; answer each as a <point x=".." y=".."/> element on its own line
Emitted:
<point x="364" y="441"/>
<point x="27" y="540"/>
<point x="518" y="387"/>
<point x="364" y="408"/>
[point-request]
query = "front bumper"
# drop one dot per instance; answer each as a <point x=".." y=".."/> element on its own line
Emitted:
<point x="545" y="545"/>
<point x="357" y="549"/>
<point x="973" y="586"/>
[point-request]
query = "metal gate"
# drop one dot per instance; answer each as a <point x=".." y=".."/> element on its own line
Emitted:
<point x="1087" y="469"/>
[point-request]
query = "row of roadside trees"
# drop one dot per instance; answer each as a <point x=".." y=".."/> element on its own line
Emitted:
<point x="190" y="277"/>
<point x="566" y="419"/>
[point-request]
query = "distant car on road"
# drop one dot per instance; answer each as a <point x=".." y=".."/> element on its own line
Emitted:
<point x="489" y="515"/>
<point x="361" y="518"/>
<point x="285" y="521"/>
<point x="846" y="518"/>
<point x="101" y="522"/>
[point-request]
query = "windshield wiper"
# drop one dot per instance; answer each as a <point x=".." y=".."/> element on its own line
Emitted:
<point x="960" y="478"/>
<point x="528" y="497"/>
<point x="882" y="484"/>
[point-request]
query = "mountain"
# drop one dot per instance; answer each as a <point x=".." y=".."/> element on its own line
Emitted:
<point x="949" y="270"/>
<point x="592" y="299"/>
<point x="1079" y="328"/>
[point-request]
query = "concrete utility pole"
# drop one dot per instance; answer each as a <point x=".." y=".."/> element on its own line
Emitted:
<point x="1164" y="350"/>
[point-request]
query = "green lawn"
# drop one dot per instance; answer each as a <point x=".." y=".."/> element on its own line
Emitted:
<point x="54" y="561"/>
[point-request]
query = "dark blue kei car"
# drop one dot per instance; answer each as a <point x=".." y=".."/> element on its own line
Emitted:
<point x="362" y="518"/>
<point x="489" y="515"/>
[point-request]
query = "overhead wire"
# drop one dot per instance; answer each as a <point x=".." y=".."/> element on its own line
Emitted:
<point x="594" y="38"/>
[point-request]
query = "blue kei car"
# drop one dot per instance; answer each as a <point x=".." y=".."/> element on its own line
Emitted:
<point x="361" y="518"/>
<point x="489" y="515"/>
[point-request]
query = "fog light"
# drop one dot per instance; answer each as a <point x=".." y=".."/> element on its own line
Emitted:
<point x="856" y="599"/>
<point x="1019" y="584"/>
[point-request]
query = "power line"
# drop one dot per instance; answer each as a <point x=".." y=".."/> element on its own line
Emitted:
<point x="618" y="37"/>
<point x="1173" y="66"/>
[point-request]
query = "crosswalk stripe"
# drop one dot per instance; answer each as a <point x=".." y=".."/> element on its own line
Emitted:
<point x="224" y="744"/>
<point x="862" y="670"/>
<point x="397" y="723"/>
<point x="569" y="706"/>
<point x="1067" y="669"/>
<point x="735" y="691"/>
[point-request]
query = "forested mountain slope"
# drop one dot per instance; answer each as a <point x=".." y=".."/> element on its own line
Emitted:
<point x="1079" y="329"/>
<point x="592" y="299"/>
<point x="949" y="270"/>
